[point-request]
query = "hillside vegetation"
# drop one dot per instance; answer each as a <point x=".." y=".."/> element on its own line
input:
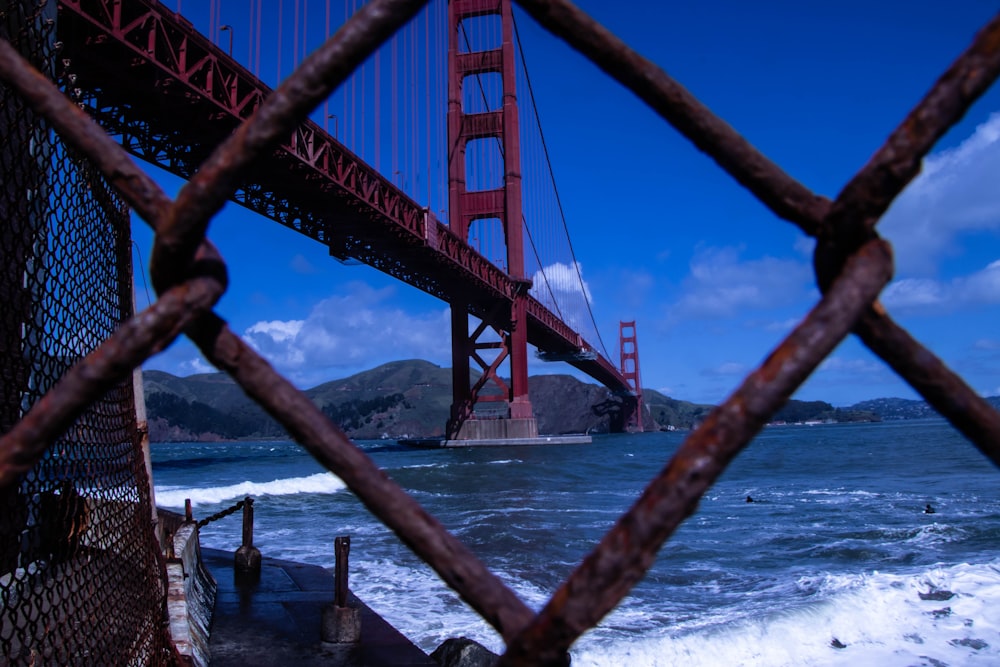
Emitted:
<point x="413" y="399"/>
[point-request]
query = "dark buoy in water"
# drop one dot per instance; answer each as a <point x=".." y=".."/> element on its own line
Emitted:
<point x="928" y="509"/>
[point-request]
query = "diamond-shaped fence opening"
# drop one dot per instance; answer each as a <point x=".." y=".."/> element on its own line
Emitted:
<point x="73" y="487"/>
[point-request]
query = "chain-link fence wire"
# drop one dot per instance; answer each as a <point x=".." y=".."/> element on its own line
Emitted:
<point x="852" y="266"/>
<point x="80" y="572"/>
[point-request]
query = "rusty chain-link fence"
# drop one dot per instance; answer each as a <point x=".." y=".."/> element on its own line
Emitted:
<point x="852" y="266"/>
<point x="80" y="574"/>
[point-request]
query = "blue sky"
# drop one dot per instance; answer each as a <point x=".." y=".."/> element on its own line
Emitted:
<point x="664" y="236"/>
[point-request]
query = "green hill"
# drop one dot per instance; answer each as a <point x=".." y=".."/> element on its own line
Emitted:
<point x="413" y="399"/>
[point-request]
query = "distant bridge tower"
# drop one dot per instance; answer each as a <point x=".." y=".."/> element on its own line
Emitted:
<point x="629" y="348"/>
<point x="502" y="203"/>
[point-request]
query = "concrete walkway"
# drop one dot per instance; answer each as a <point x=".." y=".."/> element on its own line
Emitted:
<point x="277" y="621"/>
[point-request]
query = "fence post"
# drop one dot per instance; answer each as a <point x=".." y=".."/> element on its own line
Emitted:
<point x="341" y="624"/>
<point x="246" y="563"/>
<point x="341" y="548"/>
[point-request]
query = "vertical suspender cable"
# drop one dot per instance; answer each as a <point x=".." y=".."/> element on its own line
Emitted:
<point x="414" y="110"/>
<point x="562" y="213"/>
<point x="295" y="37"/>
<point x="256" y="62"/>
<point x="344" y="118"/>
<point x="427" y="97"/>
<point x="394" y="126"/>
<point x="280" y="17"/>
<point x="360" y="73"/>
<point x="305" y="29"/>
<point x="326" y="36"/>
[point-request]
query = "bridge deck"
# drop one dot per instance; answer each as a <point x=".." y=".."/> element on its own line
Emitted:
<point x="170" y="96"/>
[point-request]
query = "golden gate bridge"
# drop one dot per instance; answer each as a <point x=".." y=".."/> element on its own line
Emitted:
<point x="419" y="165"/>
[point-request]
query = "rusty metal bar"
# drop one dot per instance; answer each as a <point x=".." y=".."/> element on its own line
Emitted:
<point x="867" y="196"/>
<point x="781" y="193"/>
<point x="428" y="538"/>
<point x="852" y="267"/>
<point x="318" y="75"/>
<point x="135" y="341"/>
<point x="627" y="551"/>
<point x="976" y="419"/>
<point x="82" y="133"/>
<point x="341" y="549"/>
<point x="248" y="522"/>
<point x="452" y="560"/>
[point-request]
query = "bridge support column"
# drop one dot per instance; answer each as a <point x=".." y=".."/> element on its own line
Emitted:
<point x="504" y="203"/>
<point x="629" y="349"/>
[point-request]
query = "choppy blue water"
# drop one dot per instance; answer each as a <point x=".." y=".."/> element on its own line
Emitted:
<point x="835" y="546"/>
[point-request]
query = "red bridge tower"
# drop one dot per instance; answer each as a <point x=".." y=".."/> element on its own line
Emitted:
<point x="502" y="203"/>
<point x="629" y="348"/>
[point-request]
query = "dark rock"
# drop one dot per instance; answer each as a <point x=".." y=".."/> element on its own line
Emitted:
<point x="941" y="613"/>
<point x="836" y="643"/>
<point x="464" y="652"/>
<point x="937" y="596"/>
<point x="934" y="662"/>
<point x="975" y="644"/>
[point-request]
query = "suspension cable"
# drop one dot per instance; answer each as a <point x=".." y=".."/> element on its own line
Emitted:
<point x="548" y="161"/>
<point x="524" y="220"/>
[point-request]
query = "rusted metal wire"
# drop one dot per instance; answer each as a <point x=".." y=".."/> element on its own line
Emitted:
<point x="221" y="514"/>
<point x="628" y="550"/>
<point x="318" y="75"/>
<point x="867" y="196"/>
<point x="77" y="547"/>
<point x="451" y="559"/>
<point x="976" y="419"/>
<point x="135" y="341"/>
<point x="785" y="196"/>
<point x="79" y="131"/>
<point x="852" y="266"/>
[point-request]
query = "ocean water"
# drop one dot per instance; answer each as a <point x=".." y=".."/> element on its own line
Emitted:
<point x="831" y="565"/>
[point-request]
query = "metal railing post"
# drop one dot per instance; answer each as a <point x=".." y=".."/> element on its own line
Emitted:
<point x="341" y="624"/>
<point x="341" y="548"/>
<point x="247" y="560"/>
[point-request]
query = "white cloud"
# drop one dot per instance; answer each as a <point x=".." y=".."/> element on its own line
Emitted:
<point x="783" y="326"/>
<point x="197" y="366"/>
<point x="851" y="366"/>
<point x="351" y="332"/>
<point x="958" y="192"/>
<point x="571" y="294"/>
<point x="927" y="295"/>
<point x="559" y="279"/>
<point x="277" y="330"/>
<point x="303" y="266"/>
<point x="727" y="369"/>
<point x="987" y="344"/>
<point x="721" y="284"/>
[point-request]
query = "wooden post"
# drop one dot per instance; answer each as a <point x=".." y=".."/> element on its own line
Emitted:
<point x="341" y="624"/>
<point x="247" y="560"/>
<point x="342" y="548"/>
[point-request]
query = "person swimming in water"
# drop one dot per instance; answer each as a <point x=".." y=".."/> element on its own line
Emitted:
<point x="928" y="509"/>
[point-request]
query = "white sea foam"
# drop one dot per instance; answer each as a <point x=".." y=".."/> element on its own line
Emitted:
<point x="878" y="619"/>
<point x="322" y="482"/>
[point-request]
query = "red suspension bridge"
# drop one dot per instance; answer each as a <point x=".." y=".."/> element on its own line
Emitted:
<point x="432" y="117"/>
